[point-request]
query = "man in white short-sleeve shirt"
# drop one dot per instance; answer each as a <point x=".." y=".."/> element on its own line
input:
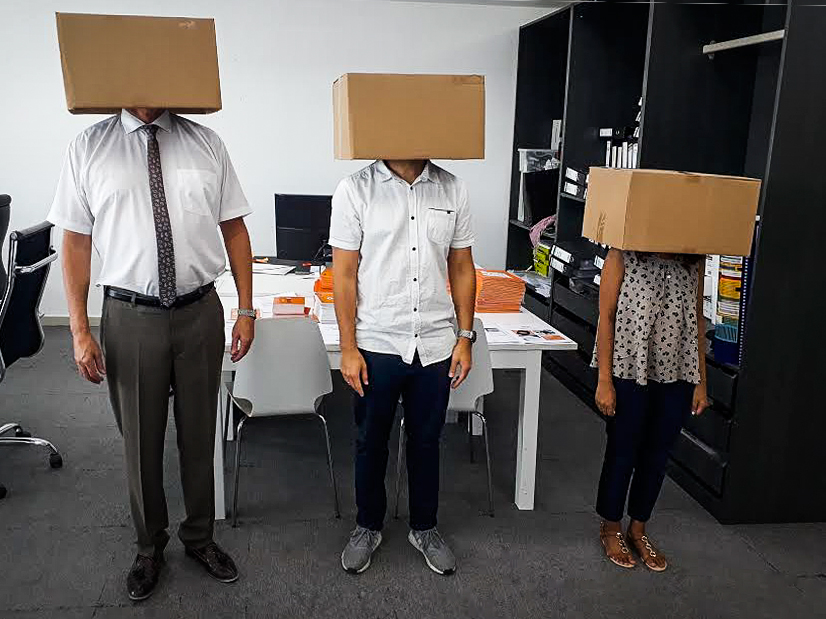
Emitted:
<point x="400" y="231"/>
<point x="148" y="191"/>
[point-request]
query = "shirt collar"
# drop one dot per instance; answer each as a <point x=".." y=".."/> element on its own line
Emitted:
<point x="131" y="123"/>
<point x="429" y="174"/>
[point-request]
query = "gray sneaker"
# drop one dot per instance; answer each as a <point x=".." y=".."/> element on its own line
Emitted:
<point x="435" y="551"/>
<point x="356" y="555"/>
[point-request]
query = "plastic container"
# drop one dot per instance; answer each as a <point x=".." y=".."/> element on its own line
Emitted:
<point x="726" y="349"/>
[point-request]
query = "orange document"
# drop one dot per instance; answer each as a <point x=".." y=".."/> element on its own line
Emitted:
<point x="498" y="292"/>
<point x="288" y="306"/>
<point x="325" y="282"/>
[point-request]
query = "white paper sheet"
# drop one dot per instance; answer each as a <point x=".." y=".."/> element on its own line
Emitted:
<point x="272" y="269"/>
<point x="496" y="335"/>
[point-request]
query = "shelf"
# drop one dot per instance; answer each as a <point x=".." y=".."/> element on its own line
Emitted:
<point x="570" y="197"/>
<point x="522" y="225"/>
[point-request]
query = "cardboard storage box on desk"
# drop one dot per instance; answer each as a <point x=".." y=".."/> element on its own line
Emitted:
<point x="112" y="62"/>
<point x="671" y="212"/>
<point x="388" y="116"/>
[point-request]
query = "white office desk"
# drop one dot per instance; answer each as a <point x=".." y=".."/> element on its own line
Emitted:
<point x="527" y="358"/>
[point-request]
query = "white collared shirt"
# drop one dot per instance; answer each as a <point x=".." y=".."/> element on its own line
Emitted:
<point x="104" y="192"/>
<point x="403" y="233"/>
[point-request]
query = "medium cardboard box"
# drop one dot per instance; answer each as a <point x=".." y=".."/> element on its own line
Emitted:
<point x="117" y="61"/>
<point x="671" y="212"/>
<point x="382" y="116"/>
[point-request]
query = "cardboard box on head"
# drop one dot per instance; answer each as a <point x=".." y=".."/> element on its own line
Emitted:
<point x="118" y="61"/>
<point x="671" y="212"/>
<point x="390" y="116"/>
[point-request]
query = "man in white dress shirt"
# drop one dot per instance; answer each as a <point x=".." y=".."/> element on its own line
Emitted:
<point x="148" y="190"/>
<point x="400" y="230"/>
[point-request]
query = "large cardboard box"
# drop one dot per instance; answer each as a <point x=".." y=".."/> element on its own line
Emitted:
<point x="671" y="212"/>
<point x="382" y="116"/>
<point x="117" y="61"/>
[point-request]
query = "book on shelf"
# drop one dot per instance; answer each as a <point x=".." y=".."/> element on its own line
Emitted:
<point x="573" y="189"/>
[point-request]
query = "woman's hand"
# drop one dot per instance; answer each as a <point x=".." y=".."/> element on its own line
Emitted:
<point x="606" y="397"/>
<point x="700" y="401"/>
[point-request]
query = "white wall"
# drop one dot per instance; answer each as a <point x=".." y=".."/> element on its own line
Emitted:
<point x="278" y="59"/>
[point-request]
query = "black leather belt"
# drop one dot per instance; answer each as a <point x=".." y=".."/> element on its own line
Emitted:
<point x="141" y="299"/>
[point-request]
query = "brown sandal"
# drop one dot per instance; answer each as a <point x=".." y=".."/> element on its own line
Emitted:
<point x="645" y="549"/>
<point x="604" y="535"/>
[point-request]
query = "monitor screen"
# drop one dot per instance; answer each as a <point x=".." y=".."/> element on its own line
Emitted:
<point x="302" y="225"/>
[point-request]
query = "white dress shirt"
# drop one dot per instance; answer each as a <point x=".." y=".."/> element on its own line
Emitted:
<point x="404" y="233"/>
<point x="104" y="192"/>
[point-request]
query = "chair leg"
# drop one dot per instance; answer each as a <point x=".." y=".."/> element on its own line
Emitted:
<point x="28" y="440"/>
<point x="399" y="462"/>
<point x="227" y="416"/>
<point x="330" y="464"/>
<point x="470" y="437"/>
<point x="9" y="427"/>
<point x="237" y="470"/>
<point x="481" y="418"/>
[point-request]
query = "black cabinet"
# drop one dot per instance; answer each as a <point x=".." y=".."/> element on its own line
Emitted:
<point x="752" y="111"/>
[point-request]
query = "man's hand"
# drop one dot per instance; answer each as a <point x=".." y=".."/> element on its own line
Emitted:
<point x="462" y="362"/>
<point x="354" y="369"/>
<point x="243" y="332"/>
<point x="606" y="397"/>
<point x="700" y="401"/>
<point x="89" y="358"/>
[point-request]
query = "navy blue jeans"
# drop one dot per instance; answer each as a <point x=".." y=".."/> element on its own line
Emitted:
<point x="646" y="425"/>
<point x="424" y="392"/>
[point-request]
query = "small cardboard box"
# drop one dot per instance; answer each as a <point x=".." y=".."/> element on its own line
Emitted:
<point x="382" y="116"/>
<point x="117" y="61"/>
<point x="671" y="212"/>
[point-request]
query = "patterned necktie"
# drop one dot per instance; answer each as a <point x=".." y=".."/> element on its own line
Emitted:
<point x="163" y="229"/>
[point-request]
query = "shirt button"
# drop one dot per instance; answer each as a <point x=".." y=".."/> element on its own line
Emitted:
<point x="411" y="217"/>
<point x="415" y="309"/>
<point x="414" y="249"/>
<point x="417" y="335"/>
<point x="414" y="279"/>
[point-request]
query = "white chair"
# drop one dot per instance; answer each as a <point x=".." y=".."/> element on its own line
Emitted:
<point x="286" y="372"/>
<point x="468" y="398"/>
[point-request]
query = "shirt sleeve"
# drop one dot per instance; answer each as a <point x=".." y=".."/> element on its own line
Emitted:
<point x="70" y="209"/>
<point x="233" y="201"/>
<point x="463" y="232"/>
<point x="345" y="221"/>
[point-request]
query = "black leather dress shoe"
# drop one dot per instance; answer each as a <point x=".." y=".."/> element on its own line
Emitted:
<point x="218" y="564"/>
<point x="143" y="576"/>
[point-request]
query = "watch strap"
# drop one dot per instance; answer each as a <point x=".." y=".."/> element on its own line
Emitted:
<point x="249" y="313"/>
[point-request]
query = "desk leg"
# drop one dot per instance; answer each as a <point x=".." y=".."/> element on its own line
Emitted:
<point x="528" y="431"/>
<point x="218" y="456"/>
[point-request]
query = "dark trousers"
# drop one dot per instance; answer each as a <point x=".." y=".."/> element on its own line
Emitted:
<point x="147" y="351"/>
<point x="424" y="392"/>
<point x="646" y="424"/>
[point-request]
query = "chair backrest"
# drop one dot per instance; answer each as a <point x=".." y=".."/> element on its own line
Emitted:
<point x="30" y="254"/>
<point x="286" y="370"/>
<point x="480" y="380"/>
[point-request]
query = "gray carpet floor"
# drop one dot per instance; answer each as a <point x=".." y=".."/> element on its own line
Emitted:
<point x="65" y="535"/>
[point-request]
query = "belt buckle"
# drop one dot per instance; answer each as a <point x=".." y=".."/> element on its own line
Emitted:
<point x="133" y="298"/>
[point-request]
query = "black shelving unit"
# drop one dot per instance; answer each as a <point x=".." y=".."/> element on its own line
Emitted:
<point x="752" y="111"/>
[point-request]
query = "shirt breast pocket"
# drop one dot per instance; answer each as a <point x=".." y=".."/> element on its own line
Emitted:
<point x="198" y="191"/>
<point x="441" y="224"/>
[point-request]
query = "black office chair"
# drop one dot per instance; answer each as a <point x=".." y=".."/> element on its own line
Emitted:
<point x="21" y="334"/>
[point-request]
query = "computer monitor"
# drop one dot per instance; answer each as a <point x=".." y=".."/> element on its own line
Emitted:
<point x="302" y="226"/>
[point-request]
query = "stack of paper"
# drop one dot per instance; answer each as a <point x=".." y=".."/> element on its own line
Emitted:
<point x="325" y="281"/>
<point x="498" y="291"/>
<point x="323" y="308"/>
<point x="288" y="305"/>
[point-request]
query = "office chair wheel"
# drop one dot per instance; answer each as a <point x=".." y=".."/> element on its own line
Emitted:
<point x="21" y="433"/>
<point x="55" y="461"/>
<point x="2" y="492"/>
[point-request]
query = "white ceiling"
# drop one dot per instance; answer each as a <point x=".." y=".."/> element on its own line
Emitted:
<point x="520" y="3"/>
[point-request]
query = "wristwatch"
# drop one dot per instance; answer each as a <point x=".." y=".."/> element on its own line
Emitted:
<point x="471" y="335"/>
<point x="249" y="313"/>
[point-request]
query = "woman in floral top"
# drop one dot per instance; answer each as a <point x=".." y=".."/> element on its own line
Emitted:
<point x="650" y="353"/>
